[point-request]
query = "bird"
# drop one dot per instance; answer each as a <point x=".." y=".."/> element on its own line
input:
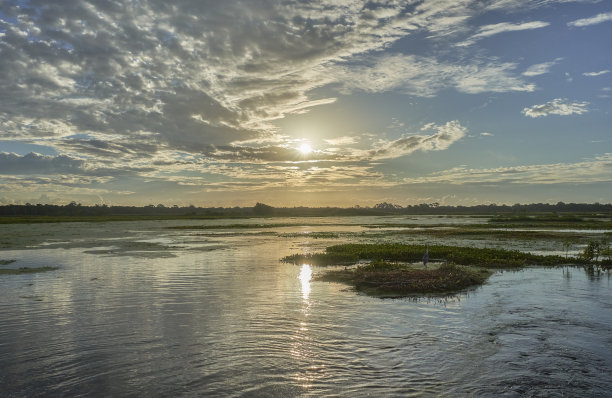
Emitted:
<point x="426" y="256"/>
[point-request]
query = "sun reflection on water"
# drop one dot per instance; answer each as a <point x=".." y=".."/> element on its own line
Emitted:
<point x="303" y="343"/>
<point x="305" y="276"/>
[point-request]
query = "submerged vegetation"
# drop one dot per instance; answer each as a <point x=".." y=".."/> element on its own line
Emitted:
<point x="24" y="270"/>
<point x="387" y="279"/>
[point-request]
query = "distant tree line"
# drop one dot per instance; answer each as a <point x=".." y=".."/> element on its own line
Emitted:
<point x="264" y="210"/>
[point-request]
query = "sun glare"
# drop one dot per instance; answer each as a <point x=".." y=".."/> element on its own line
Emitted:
<point x="304" y="148"/>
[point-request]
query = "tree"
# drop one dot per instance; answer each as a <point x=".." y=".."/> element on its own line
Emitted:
<point x="592" y="250"/>
<point x="262" y="209"/>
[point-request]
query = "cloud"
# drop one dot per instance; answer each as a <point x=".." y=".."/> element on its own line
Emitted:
<point x="593" y="74"/>
<point x="36" y="164"/>
<point x="540" y="69"/>
<point x="33" y="163"/>
<point x="597" y="19"/>
<point x="179" y="72"/>
<point x="558" y="106"/>
<point x="442" y="139"/>
<point x="146" y="93"/>
<point x="344" y="140"/>
<point x="595" y="170"/>
<point x="181" y="75"/>
<point x="426" y="76"/>
<point x="495" y="29"/>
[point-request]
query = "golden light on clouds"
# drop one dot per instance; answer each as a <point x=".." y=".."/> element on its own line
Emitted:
<point x="305" y="148"/>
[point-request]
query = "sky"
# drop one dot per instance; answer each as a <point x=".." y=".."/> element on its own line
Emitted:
<point x="305" y="103"/>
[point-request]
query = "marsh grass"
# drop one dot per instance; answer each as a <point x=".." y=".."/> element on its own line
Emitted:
<point x="381" y="278"/>
<point x="481" y="257"/>
<point x="247" y="226"/>
<point x="487" y="233"/>
<point x="313" y="235"/>
<point x="542" y="218"/>
<point x="24" y="270"/>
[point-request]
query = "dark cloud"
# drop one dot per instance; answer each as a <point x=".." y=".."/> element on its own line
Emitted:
<point x="109" y="149"/>
<point x="33" y="163"/>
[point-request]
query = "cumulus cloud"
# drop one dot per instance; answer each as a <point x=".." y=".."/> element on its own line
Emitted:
<point x="597" y="19"/>
<point x="558" y="106"/>
<point x="495" y="29"/>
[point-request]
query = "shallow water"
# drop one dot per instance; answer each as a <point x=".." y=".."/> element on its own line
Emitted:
<point x="139" y="309"/>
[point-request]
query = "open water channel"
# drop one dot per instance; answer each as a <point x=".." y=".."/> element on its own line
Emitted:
<point x="137" y="309"/>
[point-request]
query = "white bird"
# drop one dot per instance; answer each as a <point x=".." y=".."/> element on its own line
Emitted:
<point x="426" y="256"/>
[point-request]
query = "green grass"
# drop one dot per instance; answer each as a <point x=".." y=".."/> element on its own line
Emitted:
<point x="313" y="235"/>
<point x="108" y="218"/>
<point x="548" y="218"/>
<point x="351" y="253"/>
<point x="487" y="232"/>
<point x="6" y="262"/>
<point x="21" y="271"/>
<point x="245" y="226"/>
<point x="386" y="279"/>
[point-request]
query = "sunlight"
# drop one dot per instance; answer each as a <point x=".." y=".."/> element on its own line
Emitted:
<point x="304" y="148"/>
<point x="304" y="278"/>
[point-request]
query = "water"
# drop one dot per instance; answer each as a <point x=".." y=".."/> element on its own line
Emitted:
<point x="137" y="309"/>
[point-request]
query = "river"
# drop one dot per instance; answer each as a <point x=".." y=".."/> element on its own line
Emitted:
<point x="138" y="309"/>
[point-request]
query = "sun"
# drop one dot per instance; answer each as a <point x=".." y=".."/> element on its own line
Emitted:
<point x="304" y="148"/>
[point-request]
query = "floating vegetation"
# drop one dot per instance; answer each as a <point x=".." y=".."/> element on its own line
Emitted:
<point x="567" y="221"/>
<point x="6" y="262"/>
<point x="487" y="232"/>
<point x="539" y="218"/>
<point x="381" y="278"/>
<point x="24" y="270"/>
<point x="239" y="226"/>
<point x="313" y="235"/>
<point x="351" y="253"/>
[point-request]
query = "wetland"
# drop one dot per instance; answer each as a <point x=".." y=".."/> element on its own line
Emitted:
<point x="287" y="307"/>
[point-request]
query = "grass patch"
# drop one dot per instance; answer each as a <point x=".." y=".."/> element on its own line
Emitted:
<point x="351" y="253"/>
<point x="547" y="218"/>
<point x="6" y="262"/>
<point x="313" y="235"/>
<point x="21" y="271"/>
<point x="242" y="226"/>
<point x="487" y="232"/>
<point x="386" y="279"/>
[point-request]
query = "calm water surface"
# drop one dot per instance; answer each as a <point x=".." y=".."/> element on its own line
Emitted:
<point x="137" y="309"/>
